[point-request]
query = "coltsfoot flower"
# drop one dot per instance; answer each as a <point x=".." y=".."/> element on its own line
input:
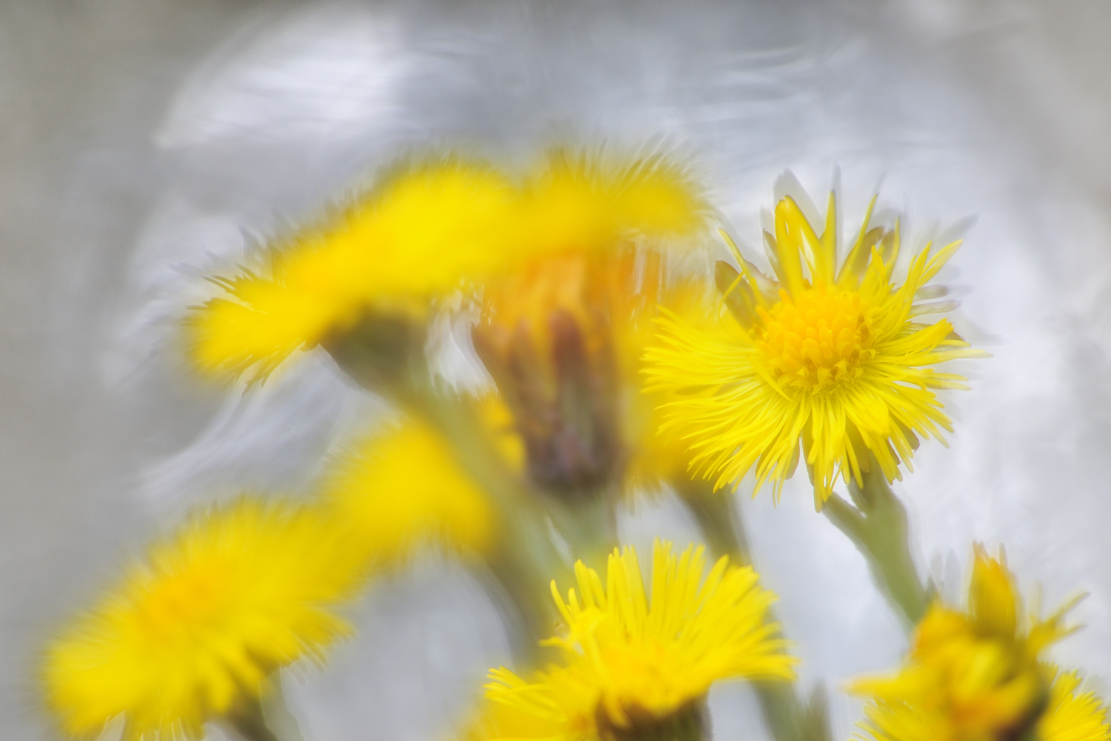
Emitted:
<point x="659" y="455"/>
<point x="826" y="357"/>
<point x="424" y="230"/>
<point x="979" y="675"/>
<point x="640" y="668"/>
<point x="427" y="229"/>
<point x="194" y="633"/>
<point x="404" y="487"/>
<point x="555" y="333"/>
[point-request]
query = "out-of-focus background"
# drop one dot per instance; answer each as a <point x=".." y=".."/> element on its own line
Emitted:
<point x="142" y="141"/>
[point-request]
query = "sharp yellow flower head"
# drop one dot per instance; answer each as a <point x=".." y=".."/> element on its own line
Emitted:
<point x="193" y="634"/>
<point x="635" y="663"/>
<point x="977" y="675"/>
<point x="826" y="357"/>
<point x="404" y="487"/>
<point x="423" y="231"/>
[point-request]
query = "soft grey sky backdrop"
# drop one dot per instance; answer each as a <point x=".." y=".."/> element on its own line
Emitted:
<point x="142" y="139"/>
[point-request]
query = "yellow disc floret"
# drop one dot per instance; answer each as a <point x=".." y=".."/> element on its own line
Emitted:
<point x="817" y="340"/>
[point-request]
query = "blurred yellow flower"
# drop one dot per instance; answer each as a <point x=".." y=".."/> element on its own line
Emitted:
<point x="635" y="664"/>
<point x="826" y="357"/>
<point x="193" y="634"/>
<point x="583" y="202"/>
<point x="977" y="675"/>
<point x="660" y="455"/>
<point x="425" y="229"/>
<point x="556" y="332"/>
<point x="429" y="228"/>
<point x="404" y="487"/>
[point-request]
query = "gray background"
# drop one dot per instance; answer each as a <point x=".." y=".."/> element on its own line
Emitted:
<point x="144" y="140"/>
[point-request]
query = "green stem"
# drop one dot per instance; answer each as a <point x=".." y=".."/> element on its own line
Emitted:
<point x="589" y="526"/>
<point x="390" y="360"/>
<point x="786" y="715"/>
<point x="247" y="719"/>
<point x="525" y="560"/>
<point x="877" y="525"/>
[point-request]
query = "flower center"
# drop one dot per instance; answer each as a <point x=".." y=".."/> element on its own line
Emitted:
<point x="185" y="602"/>
<point x="816" y="340"/>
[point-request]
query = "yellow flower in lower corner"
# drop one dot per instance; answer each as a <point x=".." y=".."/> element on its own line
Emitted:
<point x="639" y="664"/>
<point x="193" y="634"/>
<point x="979" y="675"/>
<point x="828" y="358"/>
<point x="405" y="487"/>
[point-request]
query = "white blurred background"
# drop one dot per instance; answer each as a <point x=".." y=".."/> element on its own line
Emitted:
<point x="144" y="140"/>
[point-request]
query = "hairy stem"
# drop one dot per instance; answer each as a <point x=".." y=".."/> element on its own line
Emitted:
<point x="786" y="714"/>
<point x="247" y="720"/>
<point x="877" y="525"/>
<point x="389" y="359"/>
<point x="525" y="560"/>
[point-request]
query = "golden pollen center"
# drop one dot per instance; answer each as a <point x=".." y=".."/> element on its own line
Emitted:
<point x="816" y="340"/>
<point x="184" y="602"/>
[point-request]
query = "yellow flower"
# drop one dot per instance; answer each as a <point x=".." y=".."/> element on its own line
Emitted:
<point x="636" y="664"/>
<point x="977" y="675"/>
<point x="554" y="332"/>
<point x="591" y="202"/>
<point x="1071" y="716"/>
<point x="428" y="229"/>
<point x="658" y="454"/>
<point x="404" y="487"/>
<point x="832" y="358"/>
<point x="420" y="233"/>
<point x="193" y="634"/>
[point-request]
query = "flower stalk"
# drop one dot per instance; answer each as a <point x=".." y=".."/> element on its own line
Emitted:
<point x="877" y="525"/>
<point x="786" y="714"/>
<point x="520" y="566"/>
<point x="249" y="722"/>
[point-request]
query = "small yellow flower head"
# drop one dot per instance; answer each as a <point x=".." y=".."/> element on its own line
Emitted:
<point x="422" y="232"/>
<point x="196" y="631"/>
<point x="552" y="332"/>
<point x="978" y="675"/>
<point x="634" y="664"/>
<point x="828" y="357"/>
<point x="404" y="487"/>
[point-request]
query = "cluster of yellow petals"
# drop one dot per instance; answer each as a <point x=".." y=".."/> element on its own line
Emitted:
<point x="978" y="675"/>
<point x="195" y="631"/>
<point x="428" y="229"/>
<point x="658" y="454"/>
<point x="631" y="661"/>
<point x="830" y="359"/>
<point x="404" y="487"/>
